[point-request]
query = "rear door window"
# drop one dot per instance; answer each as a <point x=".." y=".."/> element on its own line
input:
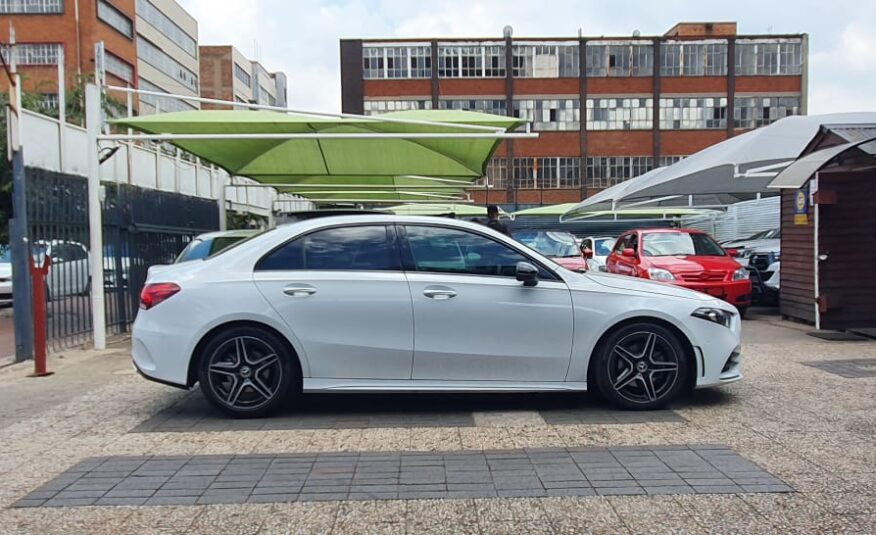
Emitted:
<point x="359" y="248"/>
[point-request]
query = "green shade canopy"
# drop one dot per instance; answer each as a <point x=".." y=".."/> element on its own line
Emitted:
<point x="643" y="213"/>
<point x="466" y="210"/>
<point x="385" y="164"/>
<point x="553" y="210"/>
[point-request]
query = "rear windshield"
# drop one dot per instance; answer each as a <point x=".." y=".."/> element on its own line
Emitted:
<point x="680" y="244"/>
<point x="603" y="247"/>
<point x="199" y="249"/>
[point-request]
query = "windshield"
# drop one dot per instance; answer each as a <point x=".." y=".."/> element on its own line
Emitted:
<point x="555" y="244"/>
<point x="680" y="244"/>
<point x="603" y="247"/>
<point x="5" y="253"/>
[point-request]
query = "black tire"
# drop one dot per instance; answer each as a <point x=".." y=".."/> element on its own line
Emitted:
<point x="624" y="366"/>
<point x="742" y="311"/>
<point x="247" y="384"/>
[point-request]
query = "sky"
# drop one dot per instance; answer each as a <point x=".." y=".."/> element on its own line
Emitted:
<point x="300" y="37"/>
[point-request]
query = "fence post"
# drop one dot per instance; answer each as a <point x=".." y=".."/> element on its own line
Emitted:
<point x="95" y="226"/>
<point x="21" y="287"/>
<point x="222" y="203"/>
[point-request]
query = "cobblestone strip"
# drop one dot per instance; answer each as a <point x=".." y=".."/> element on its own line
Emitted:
<point x="208" y="479"/>
<point x="850" y="368"/>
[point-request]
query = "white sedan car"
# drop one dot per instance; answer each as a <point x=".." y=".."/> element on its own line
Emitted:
<point x="382" y="303"/>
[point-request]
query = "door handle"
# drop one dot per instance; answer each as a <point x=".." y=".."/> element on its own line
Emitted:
<point x="439" y="293"/>
<point x="299" y="290"/>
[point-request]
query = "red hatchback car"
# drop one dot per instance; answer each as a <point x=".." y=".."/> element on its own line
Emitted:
<point x="685" y="257"/>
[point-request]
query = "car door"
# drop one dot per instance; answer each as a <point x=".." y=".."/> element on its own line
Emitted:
<point x="79" y="268"/>
<point x="473" y="320"/>
<point x="344" y="296"/>
<point x="617" y="262"/>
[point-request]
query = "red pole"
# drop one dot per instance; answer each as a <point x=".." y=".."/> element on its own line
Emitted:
<point x="38" y="277"/>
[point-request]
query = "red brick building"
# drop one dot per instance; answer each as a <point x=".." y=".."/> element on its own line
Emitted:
<point x="606" y="108"/>
<point x="43" y="28"/>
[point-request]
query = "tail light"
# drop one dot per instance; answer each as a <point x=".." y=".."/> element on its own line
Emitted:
<point x="154" y="294"/>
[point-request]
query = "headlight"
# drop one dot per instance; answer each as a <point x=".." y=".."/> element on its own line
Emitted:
<point x="658" y="274"/>
<point x="744" y="254"/>
<point x="715" y="315"/>
<point x="740" y="274"/>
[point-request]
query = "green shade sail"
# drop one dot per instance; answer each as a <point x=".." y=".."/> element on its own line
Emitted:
<point x="642" y="213"/>
<point x="553" y="210"/>
<point x="388" y="164"/>
<point x="465" y="210"/>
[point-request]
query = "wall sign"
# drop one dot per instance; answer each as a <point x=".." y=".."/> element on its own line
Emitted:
<point x="801" y="206"/>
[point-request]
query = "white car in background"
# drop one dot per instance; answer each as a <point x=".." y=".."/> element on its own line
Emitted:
<point x="5" y="275"/>
<point x="378" y="303"/>
<point x="70" y="272"/>
<point x="599" y="247"/>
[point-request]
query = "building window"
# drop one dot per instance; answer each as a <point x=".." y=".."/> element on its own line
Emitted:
<point x="605" y="171"/>
<point x="752" y="112"/>
<point x="375" y="107"/>
<point x="693" y="59"/>
<point x="372" y="63"/>
<point x="154" y="56"/>
<point x="166" y="26"/>
<point x="119" y="68"/>
<point x="48" y="102"/>
<point x="471" y="61"/>
<point x="547" y="172"/>
<point x="20" y="7"/>
<point x="693" y="113"/>
<point x="545" y="61"/>
<point x="550" y="114"/>
<point x="34" y="53"/>
<point x="396" y="62"/>
<point x="620" y="113"/>
<point x="164" y="104"/>
<point x="497" y="173"/>
<point x="421" y="61"/>
<point x="494" y="106"/>
<point x="769" y="57"/>
<point x="115" y="18"/>
<point x="241" y="74"/>
<point x="666" y="161"/>
<point x="620" y="59"/>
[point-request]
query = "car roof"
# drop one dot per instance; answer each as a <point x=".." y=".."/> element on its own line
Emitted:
<point x="296" y="227"/>
<point x="668" y="230"/>
<point x="237" y="233"/>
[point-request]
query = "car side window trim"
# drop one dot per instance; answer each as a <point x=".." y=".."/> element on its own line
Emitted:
<point x="409" y="263"/>
<point x="390" y="237"/>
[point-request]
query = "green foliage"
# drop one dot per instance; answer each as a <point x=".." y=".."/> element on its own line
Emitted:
<point x="237" y="220"/>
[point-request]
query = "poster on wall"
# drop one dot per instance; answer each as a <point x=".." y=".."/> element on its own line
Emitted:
<point x="801" y="206"/>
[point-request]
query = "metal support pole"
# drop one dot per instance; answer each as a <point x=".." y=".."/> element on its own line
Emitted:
<point x="62" y="112"/>
<point x="38" y="274"/>
<point x="223" y="223"/>
<point x="21" y="288"/>
<point x="130" y="146"/>
<point x="95" y="225"/>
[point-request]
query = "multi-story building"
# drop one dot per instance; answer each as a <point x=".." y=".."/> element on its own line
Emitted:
<point x="46" y="30"/>
<point x="227" y="74"/>
<point x="167" y="55"/>
<point x="606" y="108"/>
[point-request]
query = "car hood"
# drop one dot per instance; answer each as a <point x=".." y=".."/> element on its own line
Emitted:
<point x="693" y="264"/>
<point x="623" y="282"/>
<point x="570" y="262"/>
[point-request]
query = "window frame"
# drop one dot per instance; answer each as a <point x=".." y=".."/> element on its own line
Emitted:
<point x="409" y="264"/>
<point x="391" y="237"/>
<point x="117" y="12"/>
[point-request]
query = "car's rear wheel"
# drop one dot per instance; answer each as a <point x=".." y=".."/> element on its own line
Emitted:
<point x="641" y="366"/>
<point x="246" y="372"/>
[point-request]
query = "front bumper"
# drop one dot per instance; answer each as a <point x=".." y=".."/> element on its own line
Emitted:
<point x="719" y="352"/>
<point x="736" y="293"/>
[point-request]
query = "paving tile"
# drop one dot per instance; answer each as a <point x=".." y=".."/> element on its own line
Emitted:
<point x="333" y="476"/>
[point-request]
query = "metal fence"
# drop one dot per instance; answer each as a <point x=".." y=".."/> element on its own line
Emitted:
<point x="141" y="228"/>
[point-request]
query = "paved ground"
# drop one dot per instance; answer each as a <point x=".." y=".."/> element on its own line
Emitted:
<point x="7" y="333"/>
<point x="787" y="423"/>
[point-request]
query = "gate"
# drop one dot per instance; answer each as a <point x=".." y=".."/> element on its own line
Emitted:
<point x="141" y="228"/>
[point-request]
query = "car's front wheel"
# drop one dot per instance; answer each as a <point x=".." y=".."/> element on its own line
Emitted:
<point x="641" y="366"/>
<point x="246" y="372"/>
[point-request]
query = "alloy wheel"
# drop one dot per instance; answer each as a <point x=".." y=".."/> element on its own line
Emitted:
<point x="245" y="373"/>
<point x="643" y="367"/>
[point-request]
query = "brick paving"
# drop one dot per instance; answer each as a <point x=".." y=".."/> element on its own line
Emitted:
<point x="541" y="472"/>
<point x="850" y="368"/>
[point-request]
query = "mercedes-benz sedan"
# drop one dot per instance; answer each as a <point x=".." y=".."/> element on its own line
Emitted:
<point x="376" y="303"/>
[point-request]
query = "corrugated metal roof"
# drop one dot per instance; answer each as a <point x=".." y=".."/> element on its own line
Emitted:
<point x="853" y="133"/>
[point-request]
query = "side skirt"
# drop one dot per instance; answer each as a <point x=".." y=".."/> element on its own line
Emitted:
<point x="427" y="385"/>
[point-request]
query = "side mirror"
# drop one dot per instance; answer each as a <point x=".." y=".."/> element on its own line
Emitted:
<point x="588" y="253"/>
<point x="628" y="252"/>
<point x="527" y="273"/>
<point x="732" y="252"/>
